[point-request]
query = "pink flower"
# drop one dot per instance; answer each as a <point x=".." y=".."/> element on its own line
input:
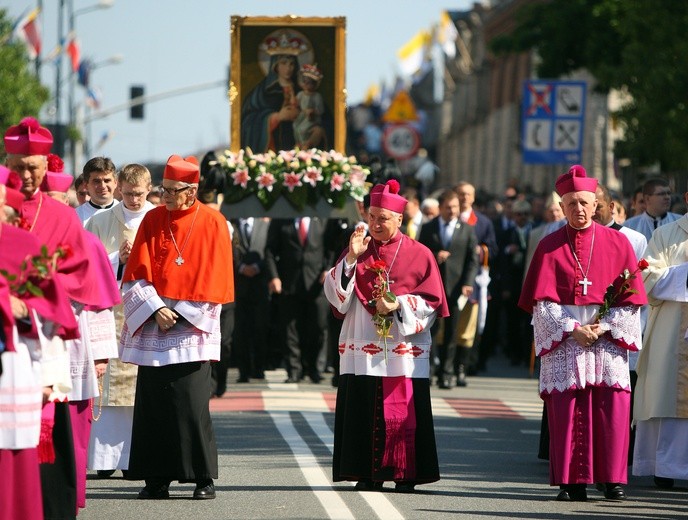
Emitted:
<point x="312" y="175"/>
<point x="304" y="155"/>
<point x="241" y="177"/>
<point x="337" y="182"/>
<point x="287" y="155"/>
<point x="336" y="156"/>
<point x="266" y="180"/>
<point x="357" y="176"/>
<point x="292" y="180"/>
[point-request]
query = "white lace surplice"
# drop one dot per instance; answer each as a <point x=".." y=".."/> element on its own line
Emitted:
<point x="195" y="338"/>
<point x="567" y="365"/>
<point x="361" y="350"/>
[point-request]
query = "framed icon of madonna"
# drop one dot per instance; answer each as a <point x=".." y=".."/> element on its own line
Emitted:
<point x="287" y="83"/>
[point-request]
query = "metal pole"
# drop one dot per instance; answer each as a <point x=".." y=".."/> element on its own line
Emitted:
<point x="39" y="4"/>
<point x="58" y="76"/>
<point x="72" y="143"/>
<point x="100" y="114"/>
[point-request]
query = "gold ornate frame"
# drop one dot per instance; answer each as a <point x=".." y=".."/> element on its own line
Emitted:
<point x="329" y="33"/>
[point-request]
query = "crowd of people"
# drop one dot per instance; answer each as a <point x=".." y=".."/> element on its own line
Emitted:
<point x="109" y="337"/>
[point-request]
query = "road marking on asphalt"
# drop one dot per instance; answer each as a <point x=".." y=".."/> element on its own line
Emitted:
<point x="322" y="488"/>
<point x="288" y="397"/>
<point x="285" y="400"/>
<point x="460" y="429"/>
<point x="528" y="409"/>
<point x="378" y="502"/>
<point x="441" y="408"/>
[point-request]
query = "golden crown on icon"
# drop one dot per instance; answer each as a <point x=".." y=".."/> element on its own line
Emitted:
<point x="311" y="71"/>
<point x="284" y="43"/>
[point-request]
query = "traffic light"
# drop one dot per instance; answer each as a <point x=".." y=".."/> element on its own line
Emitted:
<point x="136" y="110"/>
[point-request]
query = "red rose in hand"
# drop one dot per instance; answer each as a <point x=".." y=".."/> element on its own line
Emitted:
<point x="378" y="265"/>
<point x="643" y="264"/>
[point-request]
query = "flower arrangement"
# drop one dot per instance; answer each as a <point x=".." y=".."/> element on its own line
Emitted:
<point x="615" y="290"/>
<point x="382" y="322"/>
<point x="33" y="270"/>
<point x="301" y="176"/>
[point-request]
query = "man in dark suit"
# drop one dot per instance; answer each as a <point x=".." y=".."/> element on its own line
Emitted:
<point x="454" y="246"/>
<point x="487" y="255"/>
<point x="511" y="268"/>
<point x="252" y="312"/>
<point x="297" y="264"/>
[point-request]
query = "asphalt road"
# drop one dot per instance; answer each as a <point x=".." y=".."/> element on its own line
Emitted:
<point x="275" y="444"/>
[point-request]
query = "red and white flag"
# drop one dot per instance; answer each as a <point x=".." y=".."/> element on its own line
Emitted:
<point x="26" y="30"/>
<point x="73" y="51"/>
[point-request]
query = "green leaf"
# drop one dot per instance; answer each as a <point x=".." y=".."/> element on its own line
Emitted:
<point x="297" y="198"/>
<point x="390" y="297"/>
<point x="33" y="289"/>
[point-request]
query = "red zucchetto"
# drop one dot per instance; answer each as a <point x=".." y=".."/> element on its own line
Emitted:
<point x="576" y="179"/>
<point x="182" y="169"/>
<point x="28" y="138"/>
<point x="386" y="196"/>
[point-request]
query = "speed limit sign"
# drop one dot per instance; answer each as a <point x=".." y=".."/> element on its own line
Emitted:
<point x="400" y="141"/>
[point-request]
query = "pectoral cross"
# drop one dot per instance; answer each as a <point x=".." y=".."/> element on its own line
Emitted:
<point x="180" y="261"/>
<point x="584" y="282"/>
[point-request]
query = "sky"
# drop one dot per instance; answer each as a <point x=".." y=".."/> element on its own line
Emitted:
<point x="174" y="44"/>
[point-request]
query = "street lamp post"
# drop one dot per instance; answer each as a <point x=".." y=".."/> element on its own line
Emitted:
<point x="73" y="15"/>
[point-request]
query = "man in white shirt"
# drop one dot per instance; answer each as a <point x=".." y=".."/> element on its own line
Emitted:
<point x="116" y="229"/>
<point x="99" y="173"/>
<point x="657" y="196"/>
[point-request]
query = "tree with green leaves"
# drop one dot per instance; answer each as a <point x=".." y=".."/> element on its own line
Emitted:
<point x="20" y="91"/>
<point x="635" y="46"/>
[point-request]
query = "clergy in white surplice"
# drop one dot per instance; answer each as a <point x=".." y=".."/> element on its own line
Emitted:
<point x="584" y="374"/>
<point x="661" y="398"/>
<point x="383" y="416"/>
<point x="116" y="228"/>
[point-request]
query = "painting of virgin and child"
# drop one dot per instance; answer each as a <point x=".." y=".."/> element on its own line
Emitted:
<point x="287" y="86"/>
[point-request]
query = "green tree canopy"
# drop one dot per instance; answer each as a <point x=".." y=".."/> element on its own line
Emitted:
<point x="20" y="91"/>
<point x="632" y="45"/>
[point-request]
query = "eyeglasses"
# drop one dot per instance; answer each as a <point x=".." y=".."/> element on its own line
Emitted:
<point x="134" y="194"/>
<point x="173" y="191"/>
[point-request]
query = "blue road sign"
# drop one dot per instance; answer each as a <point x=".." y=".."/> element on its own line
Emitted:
<point x="552" y="122"/>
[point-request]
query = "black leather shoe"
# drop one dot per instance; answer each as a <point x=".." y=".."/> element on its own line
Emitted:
<point x="205" y="490"/>
<point x="614" y="492"/>
<point x="155" y="491"/>
<point x="243" y="379"/>
<point x="660" y="482"/>
<point x="291" y="380"/>
<point x="404" y="487"/>
<point x="368" y="485"/>
<point x="563" y="496"/>
<point x="105" y="473"/>
<point x="574" y="492"/>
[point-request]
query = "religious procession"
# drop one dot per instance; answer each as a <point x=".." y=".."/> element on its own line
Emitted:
<point x="360" y="275"/>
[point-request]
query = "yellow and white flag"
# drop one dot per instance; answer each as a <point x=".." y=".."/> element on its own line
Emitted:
<point x="447" y="35"/>
<point x="412" y="55"/>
